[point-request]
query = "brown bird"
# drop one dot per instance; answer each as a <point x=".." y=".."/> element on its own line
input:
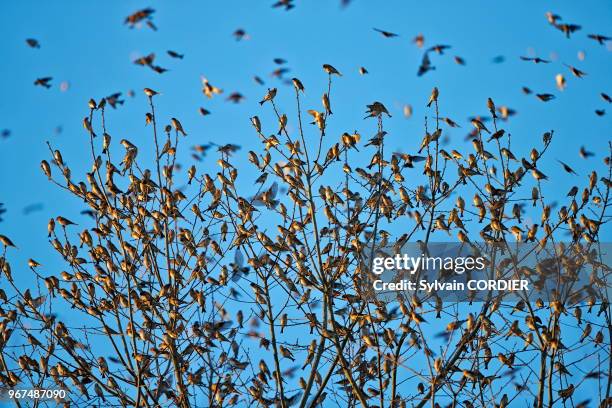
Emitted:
<point x="331" y="70"/>
<point x="269" y="96"/>
<point x="433" y="97"/>
<point x="177" y="126"/>
<point x="64" y="222"/>
<point x="419" y="40"/>
<point x="480" y="126"/>
<point x="150" y="93"/>
<point x="297" y="84"/>
<point x="4" y="240"/>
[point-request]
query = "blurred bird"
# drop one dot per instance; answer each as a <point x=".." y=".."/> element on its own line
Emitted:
<point x="386" y="34"/>
<point x="33" y="43"/>
<point x="44" y="82"/>
<point x="240" y="34"/>
<point x="175" y="54"/>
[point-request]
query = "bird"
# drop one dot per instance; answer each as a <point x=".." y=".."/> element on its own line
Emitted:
<point x="32" y="42"/>
<point x="545" y="97"/>
<point x="433" y="97"/>
<point x="177" y="126"/>
<point x="4" y="240"/>
<point x="331" y="70"/>
<point x="479" y="125"/>
<point x="601" y="39"/>
<point x="536" y="60"/>
<point x="175" y="54"/>
<point x="64" y="222"/>
<point x="386" y="34"/>
<point x="459" y="60"/>
<point x="150" y="92"/>
<point x="584" y="153"/>
<point x="240" y="34"/>
<point x="419" y="40"/>
<point x="44" y="82"/>
<point x="575" y="71"/>
<point x="268" y="96"/>
<point x="297" y="84"/>
<point x="376" y="109"/>
<point x="567" y="168"/>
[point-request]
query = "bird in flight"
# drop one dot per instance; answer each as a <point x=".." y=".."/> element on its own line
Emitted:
<point x="33" y="43"/>
<point x="386" y="34"/>
<point x="44" y="82"/>
<point x="537" y="60"/>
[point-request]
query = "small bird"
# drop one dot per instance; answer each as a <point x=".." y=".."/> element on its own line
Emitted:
<point x="601" y="39"/>
<point x="150" y="93"/>
<point x="537" y="60"/>
<point x="567" y="168"/>
<point x="33" y="43"/>
<point x="64" y="222"/>
<point x="376" y="109"/>
<point x="331" y="70"/>
<point x="433" y="97"/>
<point x="175" y="54"/>
<point x="286" y="353"/>
<point x="44" y="82"/>
<point x="33" y="264"/>
<point x="585" y="154"/>
<point x="326" y="104"/>
<point x="545" y="97"/>
<point x="240" y="34"/>
<point x="419" y="40"/>
<point x="4" y="240"/>
<point x="363" y="71"/>
<point x="575" y="71"/>
<point x="479" y="125"/>
<point x="538" y="175"/>
<point x="497" y="135"/>
<point x="560" y="80"/>
<point x="269" y="96"/>
<point x="235" y="97"/>
<point x="386" y="34"/>
<point x="177" y="126"/>
<point x="46" y="168"/>
<point x="297" y="84"/>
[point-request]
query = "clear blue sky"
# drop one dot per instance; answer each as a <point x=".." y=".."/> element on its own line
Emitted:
<point x="87" y="45"/>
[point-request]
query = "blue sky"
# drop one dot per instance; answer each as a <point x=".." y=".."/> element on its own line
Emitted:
<point x="87" y="45"/>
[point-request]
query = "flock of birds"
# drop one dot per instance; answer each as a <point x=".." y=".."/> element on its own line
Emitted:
<point x="144" y="18"/>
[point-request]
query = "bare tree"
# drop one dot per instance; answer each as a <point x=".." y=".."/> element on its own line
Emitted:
<point x="188" y="289"/>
